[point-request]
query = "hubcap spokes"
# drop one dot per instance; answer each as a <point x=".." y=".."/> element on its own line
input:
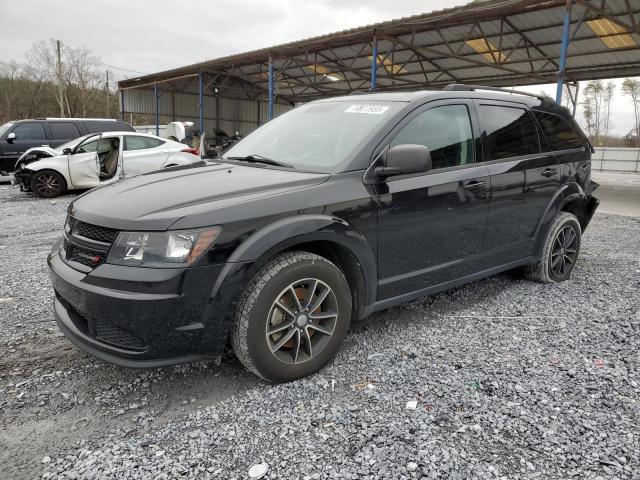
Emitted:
<point x="564" y="251"/>
<point x="47" y="184"/>
<point x="301" y="321"/>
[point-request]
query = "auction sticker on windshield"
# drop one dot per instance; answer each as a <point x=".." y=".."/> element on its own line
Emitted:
<point x="372" y="109"/>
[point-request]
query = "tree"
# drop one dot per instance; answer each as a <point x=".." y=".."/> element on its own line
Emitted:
<point x="79" y="73"/>
<point x="631" y="87"/>
<point x="608" y="97"/>
<point x="593" y="106"/>
<point x="31" y="89"/>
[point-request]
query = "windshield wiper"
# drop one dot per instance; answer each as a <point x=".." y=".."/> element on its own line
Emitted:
<point x="253" y="158"/>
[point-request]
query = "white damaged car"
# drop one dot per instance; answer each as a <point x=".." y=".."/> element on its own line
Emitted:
<point x="95" y="160"/>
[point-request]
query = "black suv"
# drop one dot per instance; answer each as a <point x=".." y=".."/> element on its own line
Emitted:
<point x="18" y="136"/>
<point x="334" y="210"/>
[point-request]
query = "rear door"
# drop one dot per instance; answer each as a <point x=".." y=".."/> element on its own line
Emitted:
<point x="431" y="226"/>
<point x="62" y="132"/>
<point x="523" y="179"/>
<point x="143" y="154"/>
<point x="84" y="165"/>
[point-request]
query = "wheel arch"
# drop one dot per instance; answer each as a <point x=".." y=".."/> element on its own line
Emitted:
<point x="327" y="236"/>
<point x="53" y="170"/>
<point x="569" y="198"/>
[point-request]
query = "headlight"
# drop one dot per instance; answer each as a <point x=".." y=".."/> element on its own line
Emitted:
<point x="68" y="224"/>
<point x="162" y="249"/>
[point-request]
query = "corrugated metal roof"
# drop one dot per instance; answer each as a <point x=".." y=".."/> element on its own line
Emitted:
<point x="522" y="39"/>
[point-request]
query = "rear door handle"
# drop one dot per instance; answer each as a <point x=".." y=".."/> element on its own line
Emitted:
<point x="549" y="172"/>
<point x="474" y="185"/>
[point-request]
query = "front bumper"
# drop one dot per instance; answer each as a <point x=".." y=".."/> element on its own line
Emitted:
<point x="22" y="178"/>
<point x="141" y="317"/>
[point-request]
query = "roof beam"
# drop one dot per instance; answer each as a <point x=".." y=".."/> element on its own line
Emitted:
<point x="603" y="12"/>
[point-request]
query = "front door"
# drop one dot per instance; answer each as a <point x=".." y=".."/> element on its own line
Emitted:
<point x="431" y="226"/>
<point x="84" y="166"/>
<point x="27" y="135"/>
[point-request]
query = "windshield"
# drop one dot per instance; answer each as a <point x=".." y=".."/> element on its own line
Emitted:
<point x="316" y="137"/>
<point x="5" y="128"/>
<point x="72" y="144"/>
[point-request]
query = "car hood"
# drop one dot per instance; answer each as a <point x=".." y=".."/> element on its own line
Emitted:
<point x="47" y="151"/>
<point x="156" y="200"/>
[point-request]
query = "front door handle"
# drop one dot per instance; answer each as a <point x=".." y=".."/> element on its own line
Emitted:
<point x="474" y="185"/>
<point x="549" y="172"/>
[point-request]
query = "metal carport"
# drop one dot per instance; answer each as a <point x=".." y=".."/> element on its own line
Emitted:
<point x="496" y="43"/>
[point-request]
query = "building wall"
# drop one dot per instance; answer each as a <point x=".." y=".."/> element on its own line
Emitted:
<point x="236" y="114"/>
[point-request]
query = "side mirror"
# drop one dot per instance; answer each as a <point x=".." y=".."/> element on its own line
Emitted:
<point x="405" y="159"/>
<point x="67" y="151"/>
<point x="11" y="137"/>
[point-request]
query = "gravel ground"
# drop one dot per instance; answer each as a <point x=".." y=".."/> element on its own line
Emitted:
<point x="510" y="379"/>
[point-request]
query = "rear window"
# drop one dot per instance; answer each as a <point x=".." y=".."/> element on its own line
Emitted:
<point x="141" y="143"/>
<point x="510" y="132"/>
<point x="64" y="130"/>
<point x="97" y="127"/>
<point x="559" y="133"/>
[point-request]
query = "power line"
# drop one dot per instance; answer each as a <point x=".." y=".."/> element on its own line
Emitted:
<point x="123" y="69"/>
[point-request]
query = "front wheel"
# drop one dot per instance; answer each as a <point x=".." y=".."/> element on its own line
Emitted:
<point x="48" y="184"/>
<point x="560" y="250"/>
<point x="292" y="317"/>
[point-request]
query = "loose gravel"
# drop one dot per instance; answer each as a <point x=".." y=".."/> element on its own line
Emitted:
<point x="502" y="378"/>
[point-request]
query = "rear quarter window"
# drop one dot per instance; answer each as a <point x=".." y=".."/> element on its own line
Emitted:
<point x="560" y="134"/>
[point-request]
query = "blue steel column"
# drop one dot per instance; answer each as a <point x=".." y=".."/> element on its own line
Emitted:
<point x="157" y="99"/>
<point x="270" y="111"/>
<point x="566" y="30"/>
<point x="374" y="64"/>
<point x="201" y="102"/>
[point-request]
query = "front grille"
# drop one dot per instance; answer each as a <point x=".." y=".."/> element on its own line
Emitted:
<point x="94" y="232"/>
<point x="109" y="333"/>
<point x="84" y="256"/>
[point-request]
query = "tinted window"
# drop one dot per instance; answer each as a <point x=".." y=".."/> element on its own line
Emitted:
<point x="64" y="130"/>
<point x="140" y="143"/>
<point x="97" y="127"/>
<point x="29" y="131"/>
<point x="559" y="133"/>
<point x="445" y="131"/>
<point x="510" y="132"/>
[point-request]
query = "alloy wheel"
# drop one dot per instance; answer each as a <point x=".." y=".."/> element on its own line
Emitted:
<point x="564" y="251"/>
<point x="47" y="184"/>
<point x="301" y="321"/>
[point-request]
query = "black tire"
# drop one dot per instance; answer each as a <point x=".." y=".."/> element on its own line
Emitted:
<point x="289" y="274"/>
<point x="48" y="184"/>
<point x="559" y="252"/>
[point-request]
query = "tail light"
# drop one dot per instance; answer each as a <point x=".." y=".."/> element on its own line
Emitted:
<point x="193" y="151"/>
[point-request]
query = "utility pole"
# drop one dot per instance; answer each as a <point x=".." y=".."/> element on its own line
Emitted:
<point x="108" y="95"/>
<point x="60" y="79"/>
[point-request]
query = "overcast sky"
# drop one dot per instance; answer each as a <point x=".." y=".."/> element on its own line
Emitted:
<point x="153" y="35"/>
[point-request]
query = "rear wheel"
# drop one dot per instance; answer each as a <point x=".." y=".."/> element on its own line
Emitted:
<point x="292" y="317"/>
<point x="48" y="184"/>
<point x="560" y="251"/>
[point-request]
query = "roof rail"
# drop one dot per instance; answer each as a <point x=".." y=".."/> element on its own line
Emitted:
<point x="74" y="118"/>
<point x="459" y="87"/>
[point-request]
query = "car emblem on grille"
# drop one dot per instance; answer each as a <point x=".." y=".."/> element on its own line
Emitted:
<point x="92" y="258"/>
